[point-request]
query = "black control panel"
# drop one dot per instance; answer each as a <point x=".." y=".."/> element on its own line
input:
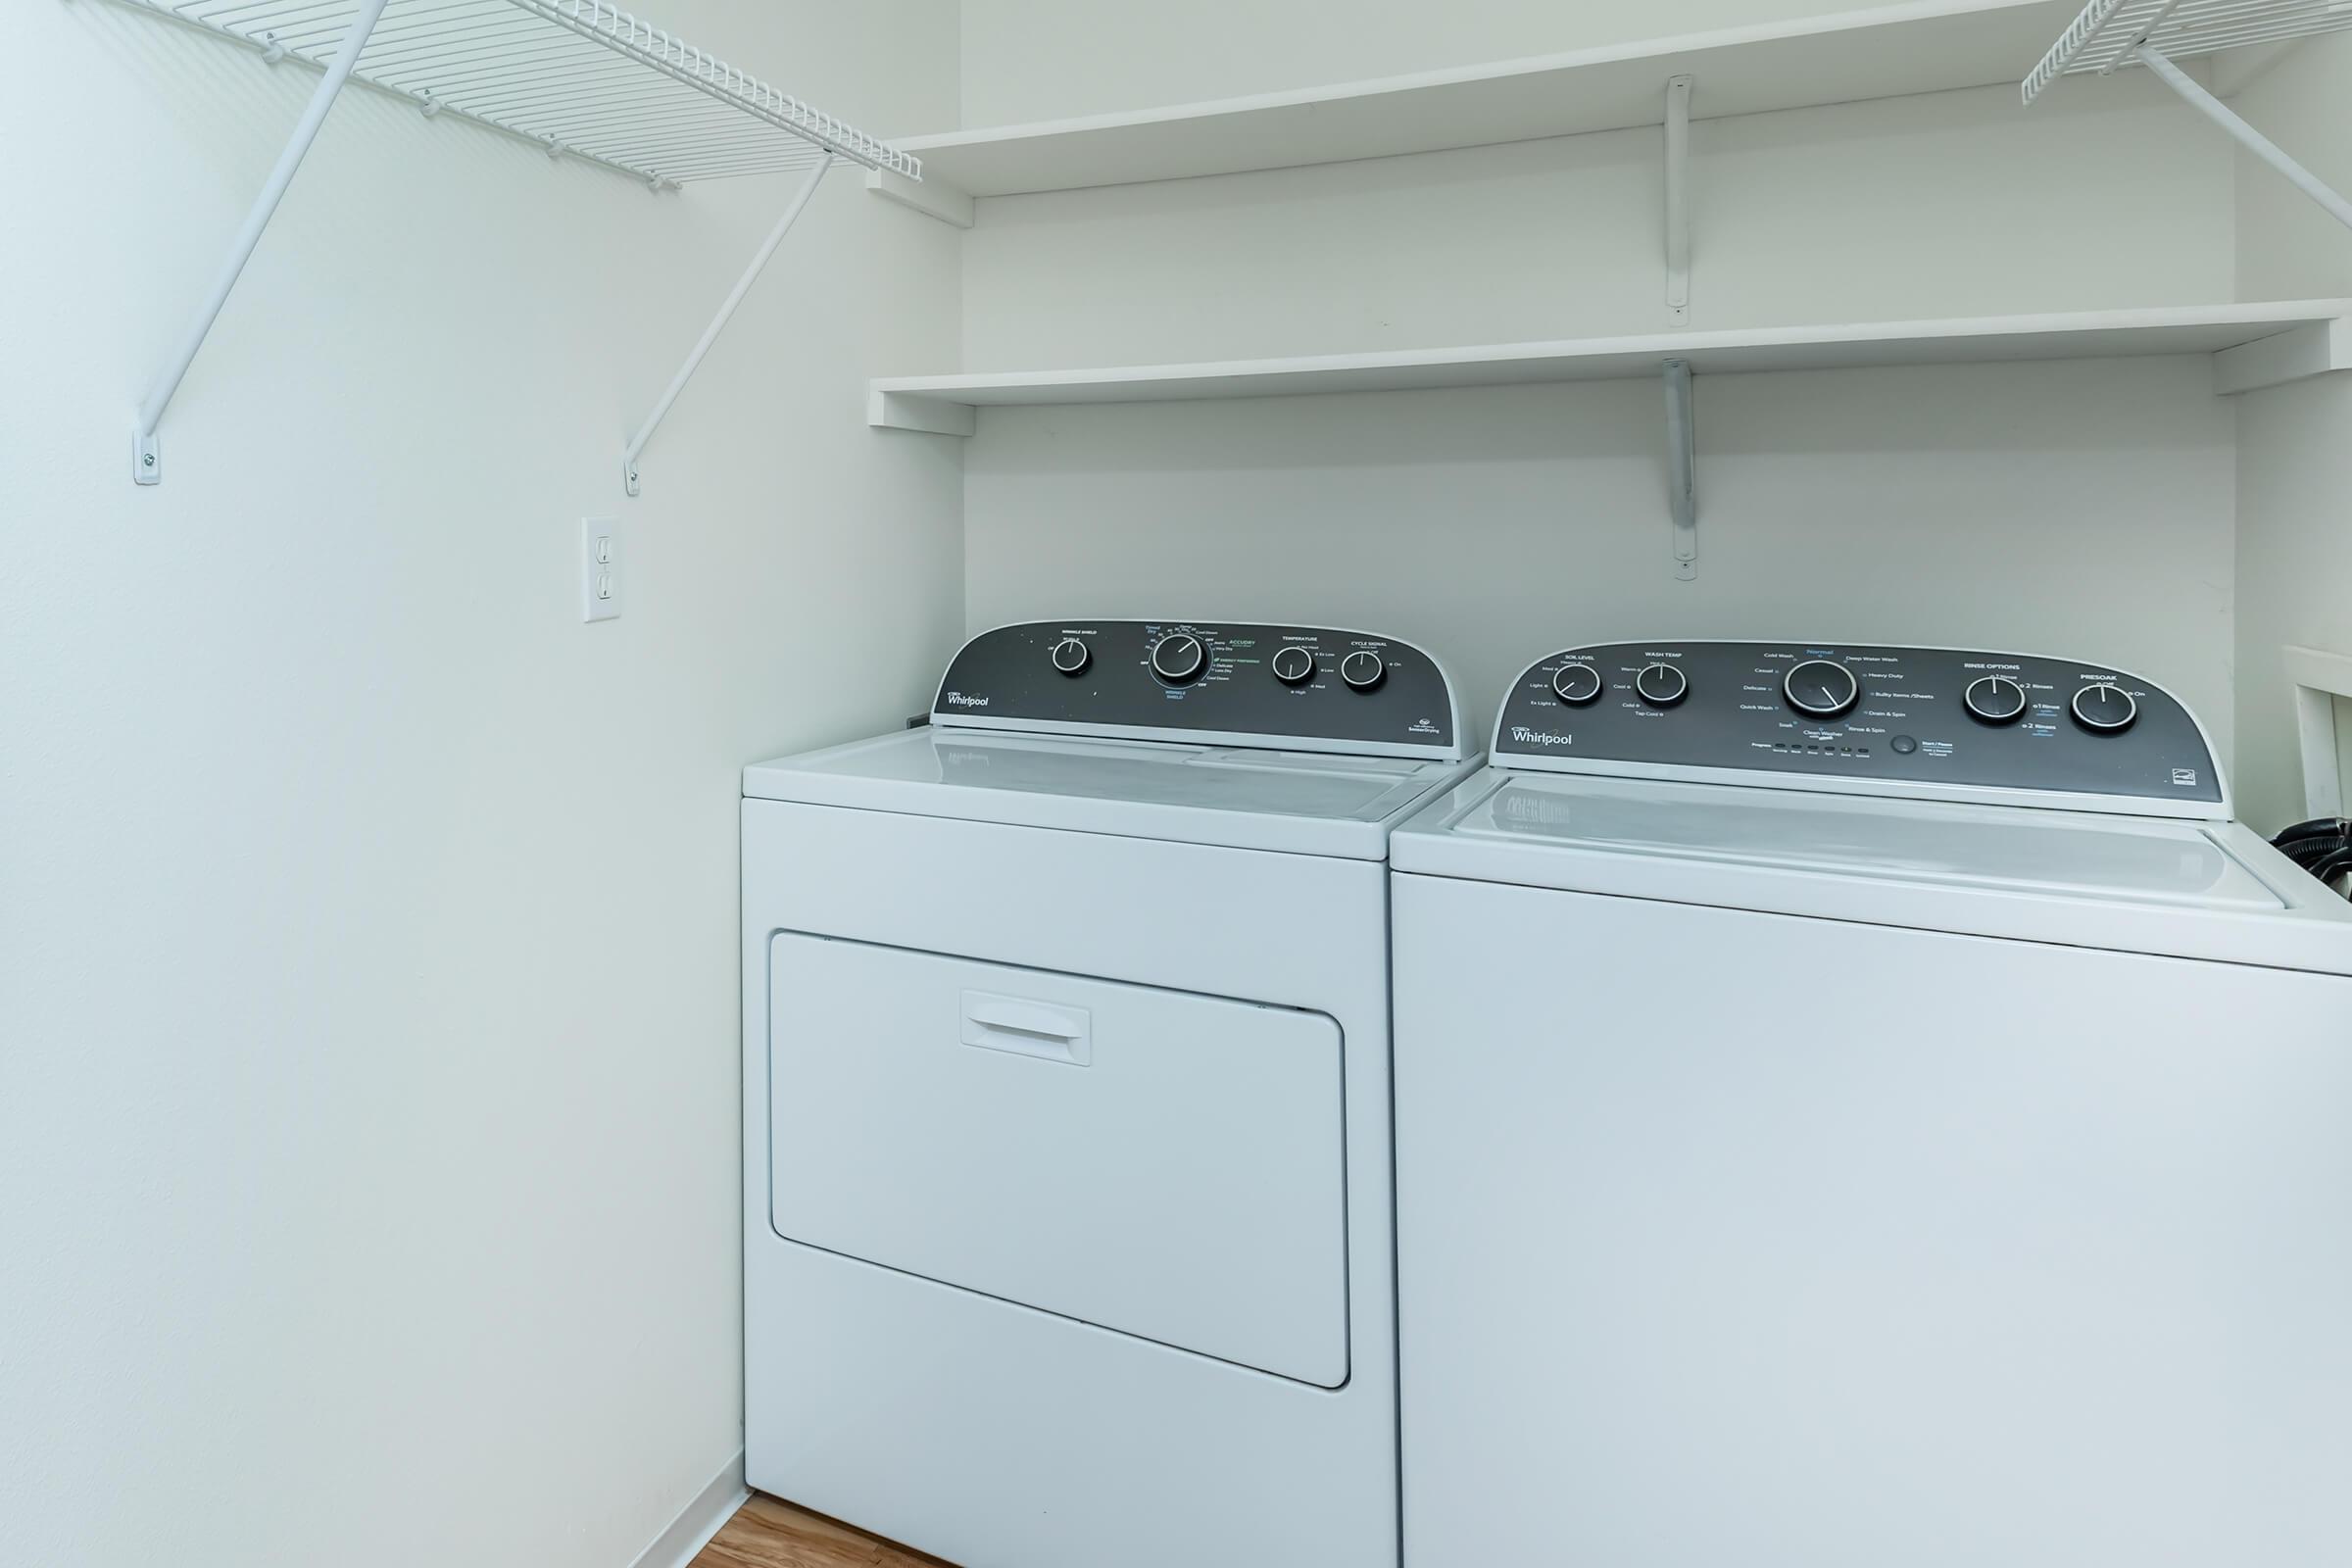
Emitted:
<point x="1305" y="688"/>
<point x="1921" y="717"/>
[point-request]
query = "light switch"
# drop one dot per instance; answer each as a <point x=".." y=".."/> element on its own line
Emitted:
<point x="599" y="569"/>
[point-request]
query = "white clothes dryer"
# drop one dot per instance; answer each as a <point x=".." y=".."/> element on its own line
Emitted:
<point x="1067" y="1208"/>
<point x="1867" y="1105"/>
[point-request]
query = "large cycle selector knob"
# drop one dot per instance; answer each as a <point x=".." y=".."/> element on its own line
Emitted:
<point x="2104" y="707"/>
<point x="1364" y="670"/>
<point x="1821" y="687"/>
<point x="1070" y="655"/>
<point x="1576" y="684"/>
<point x="1995" y="699"/>
<point x="1661" y="685"/>
<point x="1179" y="657"/>
<point x="1293" y="666"/>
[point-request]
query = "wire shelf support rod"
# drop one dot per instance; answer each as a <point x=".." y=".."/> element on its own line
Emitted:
<point x="726" y="308"/>
<point x="146" y="456"/>
<point x="2254" y="141"/>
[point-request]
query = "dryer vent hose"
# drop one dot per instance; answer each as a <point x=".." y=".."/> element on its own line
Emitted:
<point x="2323" y="848"/>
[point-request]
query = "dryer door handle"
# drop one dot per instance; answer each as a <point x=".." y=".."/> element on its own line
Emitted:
<point x="1028" y="1028"/>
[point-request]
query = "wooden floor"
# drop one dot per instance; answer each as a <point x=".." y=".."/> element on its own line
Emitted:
<point x="771" y="1534"/>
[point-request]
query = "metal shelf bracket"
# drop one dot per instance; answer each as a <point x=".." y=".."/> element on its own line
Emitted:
<point x="1678" y="199"/>
<point x="1681" y="469"/>
<point x="726" y="308"/>
<point x="146" y="454"/>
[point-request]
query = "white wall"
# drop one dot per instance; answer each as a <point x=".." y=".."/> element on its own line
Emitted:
<point x="367" y="994"/>
<point x="1970" y="506"/>
<point x="2039" y="506"/>
<point x="2294" y="547"/>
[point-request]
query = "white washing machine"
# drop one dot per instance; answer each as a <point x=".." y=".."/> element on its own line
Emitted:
<point x="1861" y="1107"/>
<point x="1067" y="1208"/>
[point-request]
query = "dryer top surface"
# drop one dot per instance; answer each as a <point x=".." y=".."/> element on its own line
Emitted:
<point x="1246" y="797"/>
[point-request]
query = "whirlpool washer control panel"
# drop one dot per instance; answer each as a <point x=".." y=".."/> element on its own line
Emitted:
<point x="1940" y="722"/>
<point x="1290" y="688"/>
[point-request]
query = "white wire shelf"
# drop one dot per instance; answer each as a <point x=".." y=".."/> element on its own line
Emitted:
<point x="577" y="78"/>
<point x="573" y="76"/>
<point x="2110" y="33"/>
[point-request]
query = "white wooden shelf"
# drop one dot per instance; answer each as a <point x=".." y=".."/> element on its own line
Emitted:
<point x="1885" y="52"/>
<point x="2254" y="345"/>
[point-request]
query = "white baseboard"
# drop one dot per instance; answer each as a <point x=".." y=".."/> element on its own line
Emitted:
<point x="701" y="1519"/>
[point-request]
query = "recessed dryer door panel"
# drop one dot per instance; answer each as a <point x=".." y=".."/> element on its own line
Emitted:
<point x="1158" y="1164"/>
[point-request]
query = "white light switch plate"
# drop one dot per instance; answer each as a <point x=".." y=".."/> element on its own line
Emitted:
<point x="599" y="569"/>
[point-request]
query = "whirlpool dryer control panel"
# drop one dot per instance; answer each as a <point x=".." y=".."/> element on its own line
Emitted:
<point x="1934" y="723"/>
<point x="1233" y="683"/>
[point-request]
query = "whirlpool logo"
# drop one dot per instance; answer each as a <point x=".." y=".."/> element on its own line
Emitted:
<point x="958" y="700"/>
<point x="1540" y="737"/>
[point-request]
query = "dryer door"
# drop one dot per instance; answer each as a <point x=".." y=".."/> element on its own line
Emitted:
<point x="1158" y="1163"/>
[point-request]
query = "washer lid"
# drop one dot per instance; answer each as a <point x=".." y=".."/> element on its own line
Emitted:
<point x="1295" y="802"/>
<point x="2212" y="890"/>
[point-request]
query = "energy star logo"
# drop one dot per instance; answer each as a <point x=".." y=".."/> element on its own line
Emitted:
<point x="958" y="700"/>
<point x="1525" y="736"/>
